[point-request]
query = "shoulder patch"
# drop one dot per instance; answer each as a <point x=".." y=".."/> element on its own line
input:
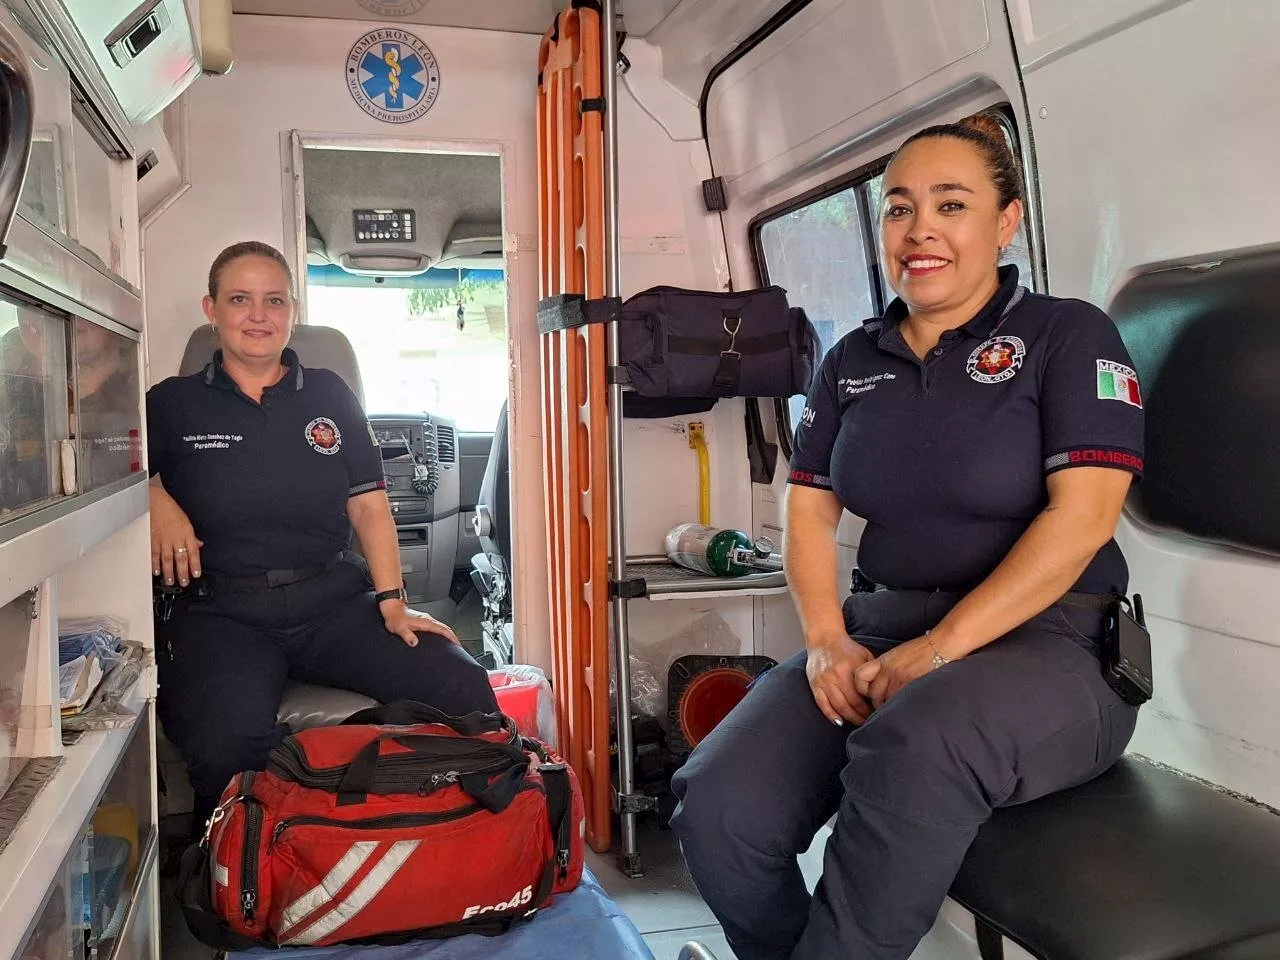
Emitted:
<point x="1118" y="382"/>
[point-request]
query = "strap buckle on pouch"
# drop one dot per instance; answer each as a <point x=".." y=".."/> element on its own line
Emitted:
<point x="729" y="371"/>
<point x="734" y="317"/>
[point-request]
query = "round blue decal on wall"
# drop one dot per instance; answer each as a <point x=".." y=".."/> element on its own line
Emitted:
<point x="393" y="75"/>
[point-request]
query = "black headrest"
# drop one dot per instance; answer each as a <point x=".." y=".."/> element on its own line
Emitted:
<point x="315" y="346"/>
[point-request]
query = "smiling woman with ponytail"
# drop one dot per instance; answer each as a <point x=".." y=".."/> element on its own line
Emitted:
<point x="978" y="429"/>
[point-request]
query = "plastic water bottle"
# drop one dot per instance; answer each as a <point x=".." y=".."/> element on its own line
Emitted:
<point x="720" y="553"/>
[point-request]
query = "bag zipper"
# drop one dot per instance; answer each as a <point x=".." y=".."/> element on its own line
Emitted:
<point x="249" y="857"/>
<point x="389" y="821"/>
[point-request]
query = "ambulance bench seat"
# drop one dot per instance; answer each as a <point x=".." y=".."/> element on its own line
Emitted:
<point x="1142" y="863"/>
<point x="303" y="705"/>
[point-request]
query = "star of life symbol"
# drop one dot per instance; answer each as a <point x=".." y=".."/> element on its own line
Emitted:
<point x="393" y="75"/>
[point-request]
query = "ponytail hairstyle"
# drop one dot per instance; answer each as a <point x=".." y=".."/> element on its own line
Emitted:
<point x="985" y="133"/>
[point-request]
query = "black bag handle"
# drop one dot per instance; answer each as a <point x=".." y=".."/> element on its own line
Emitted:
<point x="405" y="713"/>
<point x="358" y="780"/>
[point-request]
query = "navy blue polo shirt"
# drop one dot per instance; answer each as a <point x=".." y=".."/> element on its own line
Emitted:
<point x="946" y="457"/>
<point x="265" y="485"/>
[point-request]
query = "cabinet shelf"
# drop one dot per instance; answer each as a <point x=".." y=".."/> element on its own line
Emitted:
<point x="32" y="859"/>
<point x="39" y="545"/>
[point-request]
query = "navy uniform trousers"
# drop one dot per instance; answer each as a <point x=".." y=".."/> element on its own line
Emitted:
<point x="1027" y="715"/>
<point x="229" y="656"/>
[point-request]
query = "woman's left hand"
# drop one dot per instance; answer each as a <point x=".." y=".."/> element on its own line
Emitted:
<point x="407" y="624"/>
<point x="881" y="678"/>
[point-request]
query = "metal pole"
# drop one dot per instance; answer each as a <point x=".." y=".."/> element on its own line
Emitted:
<point x="617" y="521"/>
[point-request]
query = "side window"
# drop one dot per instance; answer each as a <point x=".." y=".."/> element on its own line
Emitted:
<point x="824" y="255"/>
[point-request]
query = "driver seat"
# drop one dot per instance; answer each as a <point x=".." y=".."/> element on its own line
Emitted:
<point x="491" y="569"/>
<point x="303" y="705"/>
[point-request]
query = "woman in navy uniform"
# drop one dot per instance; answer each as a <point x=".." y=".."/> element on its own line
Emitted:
<point x="260" y="471"/>
<point x="988" y="436"/>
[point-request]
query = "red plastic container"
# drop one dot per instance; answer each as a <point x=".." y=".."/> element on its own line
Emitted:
<point x="524" y="694"/>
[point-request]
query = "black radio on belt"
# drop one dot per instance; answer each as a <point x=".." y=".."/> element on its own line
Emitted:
<point x="1126" y="651"/>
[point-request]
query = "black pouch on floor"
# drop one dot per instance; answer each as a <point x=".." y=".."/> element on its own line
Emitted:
<point x="698" y="343"/>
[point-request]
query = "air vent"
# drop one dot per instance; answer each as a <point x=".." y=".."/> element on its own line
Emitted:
<point x="446" y="444"/>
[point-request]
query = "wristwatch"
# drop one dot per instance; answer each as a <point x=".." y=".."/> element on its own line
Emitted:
<point x="397" y="594"/>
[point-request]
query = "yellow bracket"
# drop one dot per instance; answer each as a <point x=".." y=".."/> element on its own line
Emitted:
<point x="698" y="442"/>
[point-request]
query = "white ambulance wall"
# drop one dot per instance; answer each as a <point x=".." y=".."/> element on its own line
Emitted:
<point x="289" y="76"/>
<point x="837" y="88"/>
<point x="1154" y="143"/>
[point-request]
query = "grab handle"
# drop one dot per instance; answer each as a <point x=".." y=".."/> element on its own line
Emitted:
<point x="16" y="120"/>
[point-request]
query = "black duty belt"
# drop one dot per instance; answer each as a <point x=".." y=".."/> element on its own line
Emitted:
<point x="274" y="578"/>
<point x="1097" y="602"/>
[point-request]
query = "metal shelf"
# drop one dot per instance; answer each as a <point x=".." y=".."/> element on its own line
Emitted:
<point x="36" y="546"/>
<point x="53" y="823"/>
<point x="665" y="580"/>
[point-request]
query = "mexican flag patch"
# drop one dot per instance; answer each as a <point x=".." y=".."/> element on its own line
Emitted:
<point x="1118" y="382"/>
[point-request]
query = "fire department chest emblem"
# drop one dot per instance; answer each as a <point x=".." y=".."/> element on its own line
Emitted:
<point x="324" y="436"/>
<point x="996" y="360"/>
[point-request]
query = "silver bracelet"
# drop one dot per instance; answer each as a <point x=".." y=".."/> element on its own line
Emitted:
<point x="938" y="659"/>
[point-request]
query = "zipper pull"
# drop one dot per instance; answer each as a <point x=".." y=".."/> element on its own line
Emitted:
<point x="562" y="861"/>
<point x="249" y="902"/>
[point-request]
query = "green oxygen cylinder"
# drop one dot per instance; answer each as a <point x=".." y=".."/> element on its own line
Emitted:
<point x="710" y="550"/>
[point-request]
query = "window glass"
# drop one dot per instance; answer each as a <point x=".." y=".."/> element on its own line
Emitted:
<point x="33" y="406"/>
<point x="416" y="355"/>
<point x="108" y="414"/>
<point x="818" y="253"/>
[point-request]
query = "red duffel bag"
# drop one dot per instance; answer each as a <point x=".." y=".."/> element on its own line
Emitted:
<point x="401" y="823"/>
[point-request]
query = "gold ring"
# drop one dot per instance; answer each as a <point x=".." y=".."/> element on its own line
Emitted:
<point x="179" y="549"/>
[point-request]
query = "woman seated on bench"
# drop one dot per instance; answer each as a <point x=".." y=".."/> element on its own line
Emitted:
<point x="260" y="470"/>
<point x="973" y="681"/>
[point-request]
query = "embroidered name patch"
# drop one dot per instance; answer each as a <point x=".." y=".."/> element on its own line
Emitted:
<point x="324" y="436"/>
<point x="853" y="386"/>
<point x="1118" y="382"/>
<point x="996" y="360"/>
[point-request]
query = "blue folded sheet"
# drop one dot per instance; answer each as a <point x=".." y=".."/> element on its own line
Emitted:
<point x="582" y="925"/>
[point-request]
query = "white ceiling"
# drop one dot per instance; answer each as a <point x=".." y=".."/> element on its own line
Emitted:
<point x="515" y="16"/>
<point x="693" y="35"/>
